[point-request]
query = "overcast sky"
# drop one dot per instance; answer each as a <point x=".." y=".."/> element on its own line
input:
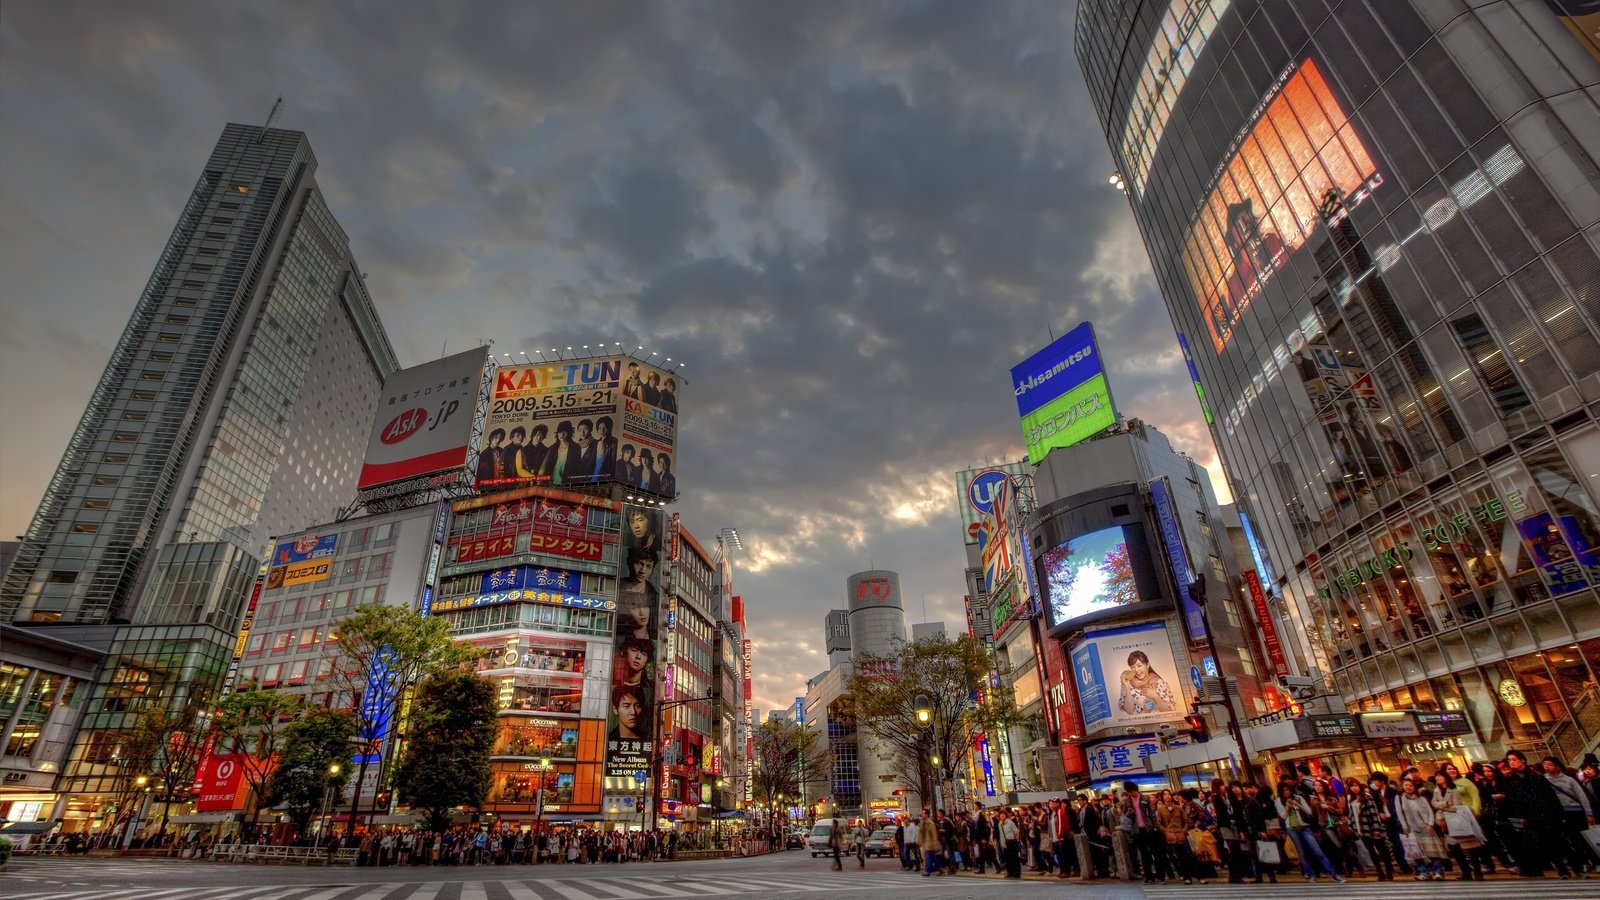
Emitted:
<point x="849" y="219"/>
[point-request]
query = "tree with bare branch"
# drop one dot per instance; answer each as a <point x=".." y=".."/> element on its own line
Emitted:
<point x="953" y="676"/>
<point x="786" y="757"/>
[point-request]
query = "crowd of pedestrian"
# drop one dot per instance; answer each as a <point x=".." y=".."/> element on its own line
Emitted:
<point x="1510" y="815"/>
<point x="472" y="845"/>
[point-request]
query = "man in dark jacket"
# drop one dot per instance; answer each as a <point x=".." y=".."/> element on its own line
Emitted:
<point x="1389" y="794"/>
<point x="1533" y="811"/>
<point x="978" y="837"/>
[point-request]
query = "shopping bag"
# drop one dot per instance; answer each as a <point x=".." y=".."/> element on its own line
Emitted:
<point x="1267" y="852"/>
<point x="1460" y="823"/>
<point x="1364" y="857"/>
<point x="1591" y="838"/>
<point x="1409" y="848"/>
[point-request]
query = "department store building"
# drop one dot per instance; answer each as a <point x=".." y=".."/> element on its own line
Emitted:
<point x="1374" y="223"/>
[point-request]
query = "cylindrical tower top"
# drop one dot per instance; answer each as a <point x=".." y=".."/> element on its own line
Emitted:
<point x="873" y="589"/>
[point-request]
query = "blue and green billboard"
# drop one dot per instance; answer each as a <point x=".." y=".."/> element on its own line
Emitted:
<point x="1062" y="394"/>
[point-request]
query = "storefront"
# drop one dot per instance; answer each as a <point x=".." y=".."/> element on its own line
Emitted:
<point x="1542" y="703"/>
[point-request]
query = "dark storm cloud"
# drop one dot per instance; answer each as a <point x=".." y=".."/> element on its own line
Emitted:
<point x="848" y="219"/>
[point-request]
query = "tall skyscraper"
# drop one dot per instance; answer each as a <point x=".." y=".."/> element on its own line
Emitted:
<point x="1373" y="225"/>
<point x="236" y="404"/>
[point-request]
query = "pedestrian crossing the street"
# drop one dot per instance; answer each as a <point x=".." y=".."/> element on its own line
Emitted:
<point x="599" y="888"/>
<point x="1296" y="888"/>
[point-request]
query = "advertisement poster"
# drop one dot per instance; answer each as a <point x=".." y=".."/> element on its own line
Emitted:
<point x="975" y="489"/>
<point x="593" y="421"/>
<point x="221" y="784"/>
<point x="1127" y="676"/>
<point x="424" y="421"/>
<point x="1250" y="222"/>
<point x="1561" y="569"/>
<point x="630" y="724"/>
<point x="1177" y="556"/>
<point x="305" y="560"/>
<point x="1062" y="394"/>
<point x="998" y="550"/>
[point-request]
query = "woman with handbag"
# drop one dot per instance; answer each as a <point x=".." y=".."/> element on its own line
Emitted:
<point x="1174" y="820"/>
<point x="1233" y="828"/>
<point x="1337" y="837"/>
<point x="1462" y="833"/>
<point x="1266" y="829"/>
<point x="1301" y="821"/>
<point x="1370" y="819"/>
<point x="1418" y="823"/>
<point x="1497" y="832"/>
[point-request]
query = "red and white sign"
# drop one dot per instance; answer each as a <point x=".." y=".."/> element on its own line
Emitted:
<point x="221" y="785"/>
<point x="424" y="421"/>
<point x="1269" y="631"/>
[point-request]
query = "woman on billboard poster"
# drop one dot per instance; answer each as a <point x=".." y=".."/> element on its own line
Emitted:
<point x="1144" y="691"/>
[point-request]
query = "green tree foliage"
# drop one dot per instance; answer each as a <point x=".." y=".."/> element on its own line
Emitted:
<point x="378" y="656"/>
<point x="315" y="740"/>
<point x="950" y="673"/>
<point x="250" y="724"/>
<point x="449" y="738"/>
<point x="786" y="758"/>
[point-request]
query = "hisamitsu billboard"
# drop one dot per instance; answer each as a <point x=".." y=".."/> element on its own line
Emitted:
<point x="1062" y="394"/>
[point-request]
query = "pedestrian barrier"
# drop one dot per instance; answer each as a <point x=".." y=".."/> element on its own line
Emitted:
<point x="703" y="854"/>
<point x="277" y="854"/>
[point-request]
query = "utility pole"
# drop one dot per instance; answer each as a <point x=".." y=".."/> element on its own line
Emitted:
<point x="1197" y="590"/>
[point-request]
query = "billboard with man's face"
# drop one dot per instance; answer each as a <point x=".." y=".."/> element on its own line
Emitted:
<point x="631" y="720"/>
<point x="605" y="420"/>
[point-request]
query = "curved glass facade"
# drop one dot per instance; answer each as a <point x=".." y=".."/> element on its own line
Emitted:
<point x="1375" y="224"/>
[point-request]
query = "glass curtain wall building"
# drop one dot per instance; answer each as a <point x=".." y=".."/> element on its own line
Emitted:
<point x="235" y="405"/>
<point x="1374" y="223"/>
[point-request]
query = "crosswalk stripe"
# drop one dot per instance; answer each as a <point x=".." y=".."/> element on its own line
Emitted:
<point x="660" y="889"/>
<point x="623" y="889"/>
<point x="473" y="890"/>
<point x="706" y="887"/>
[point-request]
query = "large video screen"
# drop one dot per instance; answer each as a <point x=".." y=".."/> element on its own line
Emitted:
<point x="1090" y="573"/>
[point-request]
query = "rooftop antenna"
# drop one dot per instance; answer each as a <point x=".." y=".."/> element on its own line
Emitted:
<point x="271" y="117"/>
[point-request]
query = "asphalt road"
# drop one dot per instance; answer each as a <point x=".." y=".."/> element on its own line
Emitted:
<point x="794" y="874"/>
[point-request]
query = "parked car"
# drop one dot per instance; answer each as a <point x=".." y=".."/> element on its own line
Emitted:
<point x="881" y="843"/>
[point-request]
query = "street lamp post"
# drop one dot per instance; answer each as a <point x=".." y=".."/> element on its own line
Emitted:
<point x="1197" y="590"/>
<point x="657" y="756"/>
<point x="327" y="789"/>
<point x="924" y="711"/>
<point x="538" y="816"/>
<point x="142" y="782"/>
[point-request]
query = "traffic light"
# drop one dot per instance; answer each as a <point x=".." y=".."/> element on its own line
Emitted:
<point x="1198" y="729"/>
<point x="899" y="792"/>
<point x="639" y="807"/>
<point x="383" y="799"/>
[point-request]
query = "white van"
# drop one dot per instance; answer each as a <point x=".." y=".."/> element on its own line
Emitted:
<point x="819" y="841"/>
